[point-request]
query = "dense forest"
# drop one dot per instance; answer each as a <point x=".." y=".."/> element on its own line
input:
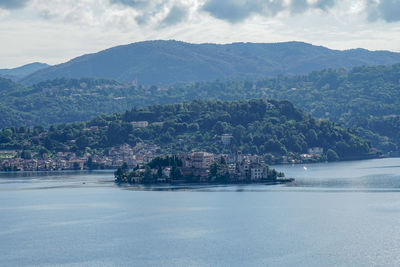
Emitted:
<point x="366" y="99"/>
<point x="257" y="126"/>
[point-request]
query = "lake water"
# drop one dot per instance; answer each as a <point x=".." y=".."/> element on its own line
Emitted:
<point x="345" y="214"/>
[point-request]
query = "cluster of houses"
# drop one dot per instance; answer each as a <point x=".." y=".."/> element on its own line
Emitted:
<point x="195" y="164"/>
<point x="239" y="166"/>
<point x="133" y="155"/>
<point x="313" y="153"/>
<point x="197" y="167"/>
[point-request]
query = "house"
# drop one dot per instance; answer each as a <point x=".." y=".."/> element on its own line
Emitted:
<point x="197" y="164"/>
<point x="258" y="172"/>
<point x="202" y="160"/>
<point x="140" y="124"/>
<point x="226" y="139"/>
<point x="243" y="168"/>
<point x="315" y="150"/>
<point x="251" y="168"/>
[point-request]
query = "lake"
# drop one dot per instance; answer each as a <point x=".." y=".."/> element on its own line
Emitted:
<point x="344" y="213"/>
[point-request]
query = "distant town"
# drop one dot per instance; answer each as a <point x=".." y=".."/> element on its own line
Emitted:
<point x="13" y="160"/>
<point x="141" y="153"/>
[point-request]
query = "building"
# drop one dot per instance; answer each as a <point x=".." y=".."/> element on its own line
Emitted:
<point x="243" y="168"/>
<point x="202" y="160"/>
<point x="197" y="160"/>
<point x="197" y="164"/>
<point x="226" y="139"/>
<point x="158" y="123"/>
<point x="315" y="150"/>
<point x="139" y="124"/>
<point x="166" y="172"/>
<point x="250" y="167"/>
<point x="258" y="172"/>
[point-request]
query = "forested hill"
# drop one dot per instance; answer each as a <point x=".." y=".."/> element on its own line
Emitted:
<point x="364" y="98"/>
<point x="257" y="126"/>
<point x="62" y="100"/>
<point x="22" y="71"/>
<point x="171" y="62"/>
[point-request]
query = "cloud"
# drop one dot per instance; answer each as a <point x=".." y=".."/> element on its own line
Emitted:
<point x="177" y="14"/>
<point x="238" y="10"/>
<point x="388" y="10"/>
<point x="299" y="6"/>
<point x="132" y="3"/>
<point x="13" y="4"/>
<point x="164" y="13"/>
<point x="325" y="4"/>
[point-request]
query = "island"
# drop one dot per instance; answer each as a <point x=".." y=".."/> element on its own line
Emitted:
<point x="201" y="167"/>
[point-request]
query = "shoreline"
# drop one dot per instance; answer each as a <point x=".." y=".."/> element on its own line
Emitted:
<point x="273" y="164"/>
<point x="180" y="184"/>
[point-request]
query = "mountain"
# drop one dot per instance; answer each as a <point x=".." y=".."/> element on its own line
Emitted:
<point x="20" y="72"/>
<point x="172" y="62"/>
<point x="257" y="126"/>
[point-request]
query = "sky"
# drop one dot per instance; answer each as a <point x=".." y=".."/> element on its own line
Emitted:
<point x="55" y="31"/>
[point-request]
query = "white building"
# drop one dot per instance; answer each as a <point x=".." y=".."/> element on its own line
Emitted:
<point x="140" y="124"/>
<point x="258" y="172"/>
<point x="226" y="139"/>
<point x="315" y="150"/>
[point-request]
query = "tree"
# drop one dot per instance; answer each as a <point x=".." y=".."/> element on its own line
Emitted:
<point x="222" y="160"/>
<point x="82" y="142"/>
<point x="214" y="168"/>
<point x="26" y="154"/>
<point x="121" y="173"/>
<point x="76" y="166"/>
<point x="118" y="174"/>
<point x="176" y="173"/>
<point x="331" y="155"/>
<point x="90" y="164"/>
<point x="148" y="177"/>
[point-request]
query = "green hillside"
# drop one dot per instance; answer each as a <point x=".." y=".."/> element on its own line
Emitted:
<point x="257" y="126"/>
<point x="366" y="99"/>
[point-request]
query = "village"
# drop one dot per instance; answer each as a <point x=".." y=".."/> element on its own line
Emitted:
<point x="201" y="167"/>
<point x="138" y="155"/>
<point x="11" y="160"/>
<point x="141" y="153"/>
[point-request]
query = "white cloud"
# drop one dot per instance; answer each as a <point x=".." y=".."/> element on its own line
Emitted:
<point x="58" y="30"/>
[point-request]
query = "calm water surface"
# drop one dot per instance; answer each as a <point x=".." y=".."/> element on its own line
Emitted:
<point x="345" y="214"/>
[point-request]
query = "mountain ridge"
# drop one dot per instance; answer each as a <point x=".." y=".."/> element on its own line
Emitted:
<point x="161" y="62"/>
<point x="22" y="71"/>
